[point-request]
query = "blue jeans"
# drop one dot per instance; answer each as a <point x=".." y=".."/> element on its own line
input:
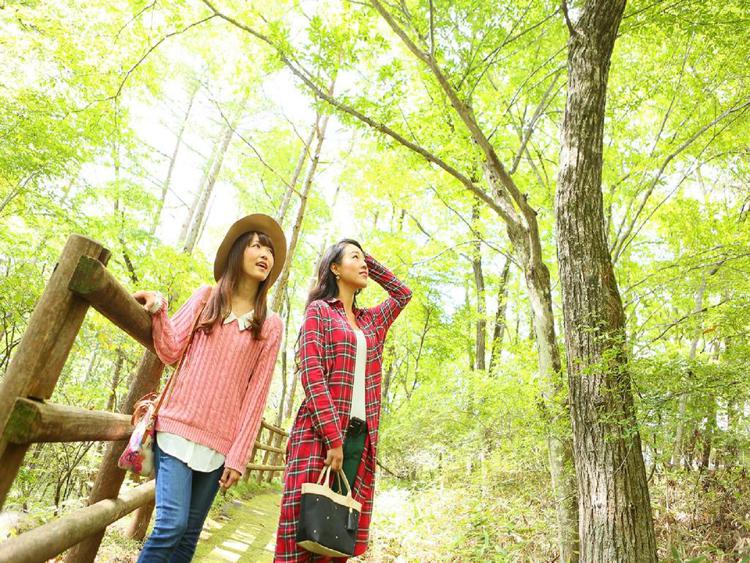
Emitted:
<point x="183" y="498"/>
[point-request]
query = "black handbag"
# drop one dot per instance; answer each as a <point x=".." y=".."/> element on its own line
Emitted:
<point x="328" y="521"/>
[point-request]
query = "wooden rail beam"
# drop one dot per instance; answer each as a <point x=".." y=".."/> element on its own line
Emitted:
<point x="260" y="446"/>
<point x="51" y="539"/>
<point x="35" y="421"/>
<point x="94" y="283"/>
<point x="263" y="468"/>
<point x="273" y="428"/>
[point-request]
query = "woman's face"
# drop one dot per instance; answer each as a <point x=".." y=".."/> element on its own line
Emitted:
<point x="352" y="270"/>
<point x="257" y="260"/>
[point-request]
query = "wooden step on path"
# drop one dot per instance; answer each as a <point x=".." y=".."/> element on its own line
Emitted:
<point x="245" y="533"/>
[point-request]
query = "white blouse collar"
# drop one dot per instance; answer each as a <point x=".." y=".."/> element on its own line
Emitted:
<point x="243" y="322"/>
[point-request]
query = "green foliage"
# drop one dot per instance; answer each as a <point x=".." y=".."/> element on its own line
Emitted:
<point x="88" y="126"/>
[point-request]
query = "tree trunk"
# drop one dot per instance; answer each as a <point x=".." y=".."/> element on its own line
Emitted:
<point x="500" y="323"/>
<point x="559" y="444"/>
<point x="476" y="265"/>
<point x="615" y="509"/>
<point x="192" y="236"/>
<point x="112" y="401"/>
<point x="303" y="156"/>
<point x="708" y="434"/>
<point x="320" y="126"/>
<point x="172" y="160"/>
<point x="284" y="362"/>
<point x="470" y="347"/>
<point x="198" y="194"/>
<point x="685" y="395"/>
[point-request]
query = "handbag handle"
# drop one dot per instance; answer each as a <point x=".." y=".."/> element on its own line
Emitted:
<point x="163" y="394"/>
<point x="326" y="471"/>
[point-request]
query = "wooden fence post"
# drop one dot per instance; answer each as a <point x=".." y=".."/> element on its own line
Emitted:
<point x="277" y="457"/>
<point x="139" y="526"/>
<point x="266" y="455"/>
<point x="110" y="477"/>
<point x="44" y="348"/>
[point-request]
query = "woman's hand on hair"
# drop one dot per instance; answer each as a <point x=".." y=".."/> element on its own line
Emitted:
<point x="151" y="300"/>
<point x="335" y="458"/>
<point x="229" y="478"/>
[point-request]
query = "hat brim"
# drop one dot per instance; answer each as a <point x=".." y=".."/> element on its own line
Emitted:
<point x="255" y="222"/>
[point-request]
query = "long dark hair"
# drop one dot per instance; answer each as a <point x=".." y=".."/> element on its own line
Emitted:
<point x="220" y="303"/>
<point x="325" y="287"/>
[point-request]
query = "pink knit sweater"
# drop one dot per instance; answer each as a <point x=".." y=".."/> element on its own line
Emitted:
<point x="219" y="394"/>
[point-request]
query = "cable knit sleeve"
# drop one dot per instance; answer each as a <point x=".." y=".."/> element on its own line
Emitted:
<point x="171" y="334"/>
<point x="254" y="401"/>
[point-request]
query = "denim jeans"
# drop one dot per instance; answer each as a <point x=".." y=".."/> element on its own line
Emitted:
<point x="183" y="498"/>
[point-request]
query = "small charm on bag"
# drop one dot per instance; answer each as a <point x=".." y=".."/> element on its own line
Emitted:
<point x="328" y="521"/>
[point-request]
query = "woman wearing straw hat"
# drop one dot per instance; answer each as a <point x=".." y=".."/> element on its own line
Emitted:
<point x="208" y="423"/>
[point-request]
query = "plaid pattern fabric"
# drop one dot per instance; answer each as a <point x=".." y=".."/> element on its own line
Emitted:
<point x="327" y="355"/>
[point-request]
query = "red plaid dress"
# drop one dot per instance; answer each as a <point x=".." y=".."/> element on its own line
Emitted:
<point x="327" y="355"/>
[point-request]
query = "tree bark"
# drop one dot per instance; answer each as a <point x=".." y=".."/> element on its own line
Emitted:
<point x="476" y="265"/>
<point x="615" y="509"/>
<point x="500" y="323"/>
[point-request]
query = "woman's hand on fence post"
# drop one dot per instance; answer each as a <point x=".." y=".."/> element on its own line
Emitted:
<point x="148" y="299"/>
<point x="335" y="458"/>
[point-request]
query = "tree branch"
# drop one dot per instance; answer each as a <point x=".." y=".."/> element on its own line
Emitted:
<point x="619" y="244"/>
<point x="152" y="49"/>
<point x="564" y="7"/>
<point x="320" y="93"/>
<point x="466" y="115"/>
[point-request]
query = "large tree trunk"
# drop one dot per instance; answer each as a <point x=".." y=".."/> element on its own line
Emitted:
<point x="615" y="509"/>
<point x="559" y="444"/>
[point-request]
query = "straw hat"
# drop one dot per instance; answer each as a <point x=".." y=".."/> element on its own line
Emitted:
<point x="255" y="222"/>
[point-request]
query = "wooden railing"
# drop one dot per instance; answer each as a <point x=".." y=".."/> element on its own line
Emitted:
<point x="81" y="280"/>
<point x="273" y="455"/>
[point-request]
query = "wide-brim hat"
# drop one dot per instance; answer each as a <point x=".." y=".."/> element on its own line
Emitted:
<point x="256" y="222"/>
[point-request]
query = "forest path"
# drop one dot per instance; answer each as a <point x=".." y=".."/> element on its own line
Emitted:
<point x="245" y="532"/>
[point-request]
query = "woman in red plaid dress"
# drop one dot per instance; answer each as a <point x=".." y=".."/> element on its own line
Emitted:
<point x="337" y="423"/>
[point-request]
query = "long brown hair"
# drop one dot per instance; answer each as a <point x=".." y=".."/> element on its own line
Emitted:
<point x="219" y="303"/>
<point x="326" y="286"/>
